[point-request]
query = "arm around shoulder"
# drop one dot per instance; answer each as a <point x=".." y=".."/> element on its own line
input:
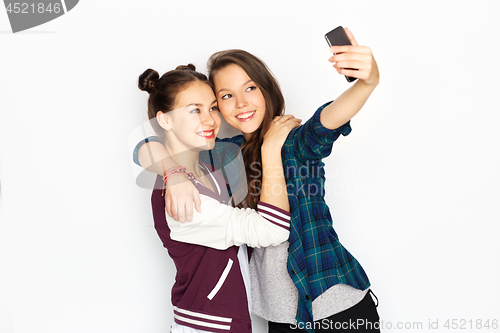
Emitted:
<point x="221" y="226"/>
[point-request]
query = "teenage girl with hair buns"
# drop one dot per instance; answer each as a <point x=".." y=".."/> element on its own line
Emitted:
<point x="210" y="253"/>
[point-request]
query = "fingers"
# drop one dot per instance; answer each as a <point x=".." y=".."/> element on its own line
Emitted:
<point x="181" y="212"/>
<point x="173" y="210"/>
<point x="189" y="206"/>
<point x="353" y="60"/>
<point x="366" y="57"/>
<point x="350" y="49"/>
<point x="282" y="119"/>
<point x="296" y="123"/>
<point x="349" y="72"/>
<point x="168" y="203"/>
<point x="351" y="37"/>
<point x="359" y="74"/>
<point x="291" y="124"/>
<point x="197" y="200"/>
<point x="189" y="212"/>
<point x="354" y="65"/>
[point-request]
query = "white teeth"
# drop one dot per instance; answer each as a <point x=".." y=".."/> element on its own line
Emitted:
<point x="206" y="133"/>
<point x="245" y="115"/>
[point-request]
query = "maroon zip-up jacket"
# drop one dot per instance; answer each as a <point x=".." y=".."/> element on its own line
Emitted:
<point x="209" y="293"/>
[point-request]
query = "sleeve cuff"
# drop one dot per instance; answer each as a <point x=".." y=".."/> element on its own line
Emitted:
<point x="274" y="214"/>
<point x="136" y="149"/>
<point x="321" y="130"/>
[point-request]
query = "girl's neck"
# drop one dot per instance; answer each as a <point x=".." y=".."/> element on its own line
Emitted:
<point x="247" y="136"/>
<point x="188" y="159"/>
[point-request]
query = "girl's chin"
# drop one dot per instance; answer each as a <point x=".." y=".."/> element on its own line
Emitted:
<point x="246" y="128"/>
<point x="208" y="145"/>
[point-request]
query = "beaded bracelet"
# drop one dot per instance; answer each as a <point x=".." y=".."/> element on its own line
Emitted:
<point x="173" y="171"/>
<point x="177" y="170"/>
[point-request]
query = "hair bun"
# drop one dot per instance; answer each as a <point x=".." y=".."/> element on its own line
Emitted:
<point x="148" y="79"/>
<point x="188" y="67"/>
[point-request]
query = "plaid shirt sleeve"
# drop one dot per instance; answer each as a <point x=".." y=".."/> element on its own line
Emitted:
<point x="313" y="141"/>
<point x="136" y="149"/>
<point x="216" y="156"/>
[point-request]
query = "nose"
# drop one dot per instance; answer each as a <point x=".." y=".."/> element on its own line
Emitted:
<point x="241" y="102"/>
<point x="206" y="119"/>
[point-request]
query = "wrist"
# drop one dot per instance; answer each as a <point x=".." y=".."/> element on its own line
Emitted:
<point x="270" y="149"/>
<point x="368" y="85"/>
<point x="177" y="170"/>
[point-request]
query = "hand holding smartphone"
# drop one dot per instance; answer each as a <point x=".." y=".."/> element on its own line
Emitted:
<point x="338" y="37"/>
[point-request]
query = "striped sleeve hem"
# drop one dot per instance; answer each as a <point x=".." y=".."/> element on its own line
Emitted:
<point x="274" y="214"/>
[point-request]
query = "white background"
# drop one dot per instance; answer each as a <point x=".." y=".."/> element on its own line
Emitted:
<point x="414" y="189"/>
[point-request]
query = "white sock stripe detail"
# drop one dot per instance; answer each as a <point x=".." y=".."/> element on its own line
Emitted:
<point x="275" y="212"/>
<point x="202" y="315"/>
<point x="202" y="323"/>
<point x="221" y="280"/>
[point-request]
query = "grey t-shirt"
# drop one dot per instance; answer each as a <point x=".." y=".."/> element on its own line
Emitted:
<point x="274" y="296"/>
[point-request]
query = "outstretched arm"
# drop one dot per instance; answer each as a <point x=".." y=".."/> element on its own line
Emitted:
<point x="354" y="61"/>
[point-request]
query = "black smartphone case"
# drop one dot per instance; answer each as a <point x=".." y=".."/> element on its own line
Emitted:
<point x="338" y="37"/>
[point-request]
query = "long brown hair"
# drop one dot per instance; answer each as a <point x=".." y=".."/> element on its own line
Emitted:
<point x="163" y="90"/>
<point x="260" y="74"/>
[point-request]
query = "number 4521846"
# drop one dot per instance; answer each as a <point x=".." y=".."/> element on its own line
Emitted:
<point x="40" y="8"/>
<point x="462" y="324"/>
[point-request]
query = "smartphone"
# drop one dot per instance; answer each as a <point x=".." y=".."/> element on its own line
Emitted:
<point x="338" y="37"/>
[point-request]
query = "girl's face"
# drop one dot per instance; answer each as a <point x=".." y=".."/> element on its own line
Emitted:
<point x="241" y="102"/>
<point x="195" y="120"/>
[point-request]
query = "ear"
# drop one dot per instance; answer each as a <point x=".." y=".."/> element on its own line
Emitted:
<point x="164" y="120"/>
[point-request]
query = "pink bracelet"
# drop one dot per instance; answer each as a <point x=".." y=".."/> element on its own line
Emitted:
<point x="175" y="171"/>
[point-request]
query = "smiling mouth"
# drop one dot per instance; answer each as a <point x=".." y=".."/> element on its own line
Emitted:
<point x="207" y="134"/>
<point x="245" y="116"/>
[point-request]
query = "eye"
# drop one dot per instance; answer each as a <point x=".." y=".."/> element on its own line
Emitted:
<point x="195" y="111"/>
<point x="214" y="108"/>
<point x="251" y="88"/>
<point x="226" y="96"/>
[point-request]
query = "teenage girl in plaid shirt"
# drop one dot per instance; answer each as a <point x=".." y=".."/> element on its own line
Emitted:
<point x="311" y="283"/>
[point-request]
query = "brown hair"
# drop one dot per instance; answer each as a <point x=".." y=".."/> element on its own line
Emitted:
<point x="163" y="90"/>
<point x="257" y="70"/>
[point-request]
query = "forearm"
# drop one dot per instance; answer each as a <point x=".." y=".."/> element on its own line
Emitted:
<point x="346" y="105"/>
<point x="222" y="226"/>
<point x="154" y="157"/>
<point x="273" y="190"/>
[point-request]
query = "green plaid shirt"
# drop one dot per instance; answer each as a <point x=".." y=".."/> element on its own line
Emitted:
<point x="316" y="259"/>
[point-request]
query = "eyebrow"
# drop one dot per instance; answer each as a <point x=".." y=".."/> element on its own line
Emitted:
<point x="199" y="104"/>
<point x="244" y="84"/>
